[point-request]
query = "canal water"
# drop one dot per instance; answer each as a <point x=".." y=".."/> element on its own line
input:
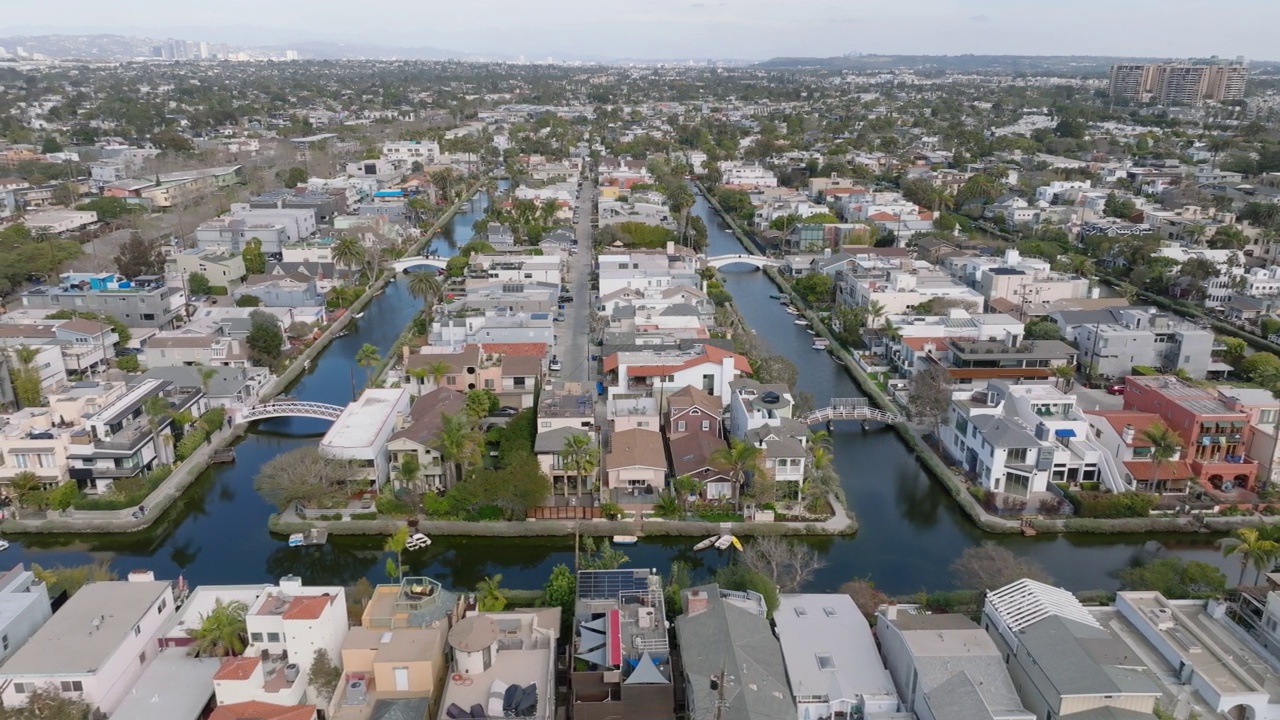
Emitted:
<point x="911" y="531"/>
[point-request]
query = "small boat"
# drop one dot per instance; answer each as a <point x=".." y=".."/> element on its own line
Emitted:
<point x="359" y="315"/>
<point x="4" y="545"/>
<point x="314" y="536"/>
<point x="792" y="311"/>
<point x="776" y="297"/>
<point x="737" y="544"/>
<point x="837" y="360"/>
<point x="625" y="539"/>
<point x="817" y="345"/>
<point x="416" y="541"/>
<point x="811" y="331"/>
<point x="707" y="543"/>
<point x="392" y="279"/>
<point x="802" y="321"/>
<point x="724" y="542"/>
<point x="344" y="333"/>
<point x="785" y="300"/>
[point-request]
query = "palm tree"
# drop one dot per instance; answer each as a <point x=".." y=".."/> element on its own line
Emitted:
<point x="683" y="486"/>
<point x="348" y="252"/>
<point x="222" y="631"/>
<point x="822" y="457"/>
<point x="740" y="459"/>
<point x="1064" y="374"/>
<point x="457" y="444"/>
<point x="28" y="386"/>
<point x="490" y="597"/>
<point x="1165" y="446"/>
<point x="875" y="311"/>
<point x="425" y="285"/>
<point x="581" y="456"/>
<point x="367" y="357"/>
<point x="159" y="412"/>
<point x="437" y="370"/>
<point x="25" y="485"/>
<point x="1254" y="548"/>
<point x="206" y="377"/>
<point x="395" y="544"/>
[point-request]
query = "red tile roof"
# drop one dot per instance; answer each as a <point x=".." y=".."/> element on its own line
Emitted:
<point x="1170" y="470"/>
<point x="710" y="354"/>
<point x="307" y="607"/>
<point x="258" y="710"/>
<point x="240" y="668"/>
<point x="883" y="217"/>
<point x="538" y="350"/>
<point x="918" y="343"/>
<point x="1119" y="418"/>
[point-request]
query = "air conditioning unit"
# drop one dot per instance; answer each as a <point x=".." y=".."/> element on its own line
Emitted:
<point x="646" y="616"/>
<point x="1161" y="617"/>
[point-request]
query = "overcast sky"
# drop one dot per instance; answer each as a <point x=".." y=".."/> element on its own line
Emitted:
<point x="744" y="29"/>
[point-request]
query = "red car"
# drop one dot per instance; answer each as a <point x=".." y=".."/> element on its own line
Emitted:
<point x="1115" y="389"/>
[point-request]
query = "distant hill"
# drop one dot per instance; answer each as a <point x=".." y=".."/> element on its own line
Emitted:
<point x="89" y="47"/>
<point x="126" y="47"/>
<point x="1010" y="64"/>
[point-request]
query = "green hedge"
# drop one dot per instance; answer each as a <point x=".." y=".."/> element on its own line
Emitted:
<point x="1090" y="504"/>
<point x="126" y="492"/>
<point x="191" y="442"/>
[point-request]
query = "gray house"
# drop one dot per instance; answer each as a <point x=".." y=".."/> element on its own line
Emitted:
<point x="733" y="665"/>
<point x="144" y="306"/>
<point x="291" y="290"/>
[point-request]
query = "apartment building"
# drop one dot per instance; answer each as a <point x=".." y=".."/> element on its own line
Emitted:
<point x="1017" y="279"/>
<point x="38" y="439"/>
<point x="153" y="305"/>
<point x="494" y="326"/>
<point x="231" y="235"/>
<point x="1180" y="83"/>
<point x="426" y="152"/>
<point x="179" y="349"/>
<point x="1216" y="437"/>
<point x="364" y="428"/>
<point x="224" y="270"/>
<point x="898" y="286"/>
<point x="1113" y="340"/>
<point x="96" y="646"/>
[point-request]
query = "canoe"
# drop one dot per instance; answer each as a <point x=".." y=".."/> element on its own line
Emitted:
<point x="801" y="321"/>
<point x="776" y="297"/>
<point x="724" y="541"/>
<point x="707" y="543"/>
<point x="737" y="544"/>
<point x="625" y="539"/>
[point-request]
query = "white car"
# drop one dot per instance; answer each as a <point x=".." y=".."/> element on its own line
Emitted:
<point x="554" y="364"/>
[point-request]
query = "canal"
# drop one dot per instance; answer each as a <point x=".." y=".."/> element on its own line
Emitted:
<point x="910" y="529"/>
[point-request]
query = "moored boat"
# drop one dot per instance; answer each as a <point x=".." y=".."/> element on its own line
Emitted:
<point x="314" y="536"/>
<point x="724" y="542"/>
<point x="737" y="544"/>
<point x="707" y="543"/>
<point x="802" y="321"/>
<point x="625" y="539"/>
<point x="416" y="541"/>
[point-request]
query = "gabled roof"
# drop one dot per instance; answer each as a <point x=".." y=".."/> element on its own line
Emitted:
<point x="1117" y="419"/>
<point x="691" y="455"/>
<point x="690" y="396"/>
<point x="636" y="447"/>
<point x="552" y="441"/>
<point x="1025" y="602"/>
<point x="427" y="413"/>
<point x="258" y="710"/>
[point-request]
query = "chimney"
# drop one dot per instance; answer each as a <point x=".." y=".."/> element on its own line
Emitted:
<point x="1127" y="434"/>
<point x="695" y="602"/>
<point x="891" y="610"/>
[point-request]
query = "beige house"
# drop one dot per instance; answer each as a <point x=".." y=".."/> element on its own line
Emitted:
<point x="399" y="663"/>
<point x="181" y="349"/>
<point x="221" y="269"/>
<point x="633" y="413"/>
<point x="564" y="409"/>
<point x="418" y="436"/>
<point x="636" y="461"/>
<point x="37" y="439"/>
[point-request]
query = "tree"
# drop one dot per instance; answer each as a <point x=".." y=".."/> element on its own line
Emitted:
<point x="490" y="596"/>
<point x="684" y="486"/>
<point x="1043" y="330"/>
<point x="159" y="412"/>
<point x="425" y="285"/>
<point x="50" y="145"/>
<point x="70" y="579"/>
<point x="1117" y="207"/>
<point x="255" y="260"/>
<point x="930" y="394"/>
<point x="109" y="208"/>
<point x="1176" y="579"/>
<point x="139" y="256"/>
<point x="248" y="300"/>
<point x="1235" y="350"/>
<point x="27" y="385"/>
<point x="1254" y="547"/>
<point x="1165" y="445"/>
<point x="581" y="456"/>
<point x="864" y="594"/>
<point x="741" y="460"/>
<point x="198" y="283"/>
<point x="458" y="444"/>
<point x="561" y="589"/>
<point x="875" y="311"/>
<point x="395" y="543"/>
<point x="815" y="288"/>
<point x="368" y="357"/>
<point x="305" y="476"/>
<point x="981" y="188"/>
<point x="1070" y="127"/>
<point x="738" y="576"/>
<point x="48" y="703"/>
<point x="348" y="252"/>
<point x="293" y="177"/>
<point x="410" y="471"/>
<point x="222" y="632"/>
<point x="787" y="563"/>
<point x="24" y="486"/>
<point x="324" y="675"/>
<point x="607" y="557"/>
<point x="481" y="403"/>
<point x="1259" y="364"/>
<point x="265" y="338"/>
<point x="989" y="566"/>
<point x="63" y="496"/>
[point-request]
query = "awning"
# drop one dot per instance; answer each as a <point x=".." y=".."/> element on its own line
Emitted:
<point x="1237" y="423"/>
<point x="1064" y="432"/>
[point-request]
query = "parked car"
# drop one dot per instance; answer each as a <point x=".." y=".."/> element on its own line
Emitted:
<point x="566" y="298"/>
<point x="554" y="364"/>
<point x="505" y="411"/>
<point x="560" y="317"/>
<point x="1115" y="389"/>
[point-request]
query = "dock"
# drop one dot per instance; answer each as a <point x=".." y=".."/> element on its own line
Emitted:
<point x="225" y="455"/>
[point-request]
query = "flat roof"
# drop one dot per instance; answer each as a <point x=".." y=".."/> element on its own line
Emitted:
<point x="72" y="643"/>
<point x="359" y="424"/>
<point x="202" y="600"/>
<point x="175" y="686"/>
<point x="812" y="625"/>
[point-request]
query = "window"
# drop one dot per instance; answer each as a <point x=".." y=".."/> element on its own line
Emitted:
<point x="273" y="637"/>
<point x="1267" y="417"/>
<point x="801" y="612"/>
<point x="164" y="603"/>
<point x="451" y="380"/>
<point x="488" y="384"/>
<point x="830" y="612"/>
<point x="142" y="658"/>
<point x="825" y="661"/>
<point x="546" y="423"/>
<point x="137" y="630"/>
<point x="1016" y="455"/>
<point x="5" y="642"/>
<point x="255" y="637"/>
<point x="24" y="688"/>
<point x="72" y="686"/>
<point x="706" y="425"/>
<point x="680" y="425"/>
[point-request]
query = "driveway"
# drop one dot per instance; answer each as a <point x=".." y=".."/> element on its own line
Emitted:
<point x="1097" y="399"/>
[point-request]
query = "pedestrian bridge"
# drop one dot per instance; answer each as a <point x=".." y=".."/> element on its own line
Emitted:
<point x="419" y="263"/>
<point x="850" y="409"/>
<point x="291" y="408"/>
<point x="758" y="261"/>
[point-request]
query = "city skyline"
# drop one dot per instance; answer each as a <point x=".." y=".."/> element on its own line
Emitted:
<point x="750" y="30"/>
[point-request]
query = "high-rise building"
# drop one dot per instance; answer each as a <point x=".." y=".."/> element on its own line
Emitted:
<point x="1180" y="83"/>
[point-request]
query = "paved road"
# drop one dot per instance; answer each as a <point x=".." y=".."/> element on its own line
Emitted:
<point x="1097" y="399"/>
<point x="573" y="346"/>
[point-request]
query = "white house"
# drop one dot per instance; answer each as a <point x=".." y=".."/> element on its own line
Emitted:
<point x="286" y="625"/>
<point x="706" y="367"/>
<point x="96" y="646"/>
<point x="363" y="429"/>
<point x="24" y="609"/>
<point x="1017" y="439"/>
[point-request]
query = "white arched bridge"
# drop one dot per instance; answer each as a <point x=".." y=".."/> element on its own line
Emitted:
<point x="291" y="408"/>
<point x="419" y="262"/>
<point x="850" y="409"/>
<point x="758" y="261"/>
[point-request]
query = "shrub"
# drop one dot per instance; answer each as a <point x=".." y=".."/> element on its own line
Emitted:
<point x="212" y="419"/>
<point x="1052" y="506"/>
<point x="1113" y="505"/>
<point x="364" y="516"/>
<point x="191" y="442"/>
<point x="438" y="507"/>
<point x="392" y="505"/>
<point x="128" y="363"/>
<point x="126" y="492"/>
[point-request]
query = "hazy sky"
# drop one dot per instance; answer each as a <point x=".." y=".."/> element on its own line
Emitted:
<point x="746" y="29"/>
